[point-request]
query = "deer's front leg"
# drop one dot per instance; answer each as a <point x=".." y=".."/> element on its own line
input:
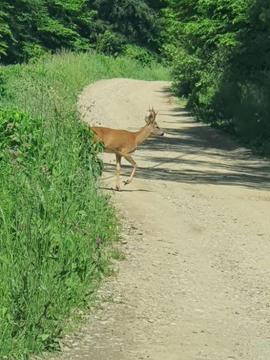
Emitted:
<point x="132" y="162"/>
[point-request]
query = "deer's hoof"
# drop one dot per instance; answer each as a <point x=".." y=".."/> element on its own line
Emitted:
<point x="117" y="188"/>
<point x="126" y="182"/>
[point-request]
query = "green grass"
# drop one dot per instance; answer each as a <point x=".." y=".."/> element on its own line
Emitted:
<point x="56" y="228"/>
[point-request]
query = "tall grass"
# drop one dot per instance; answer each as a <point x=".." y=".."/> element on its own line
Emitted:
<point x="55" y="227"/>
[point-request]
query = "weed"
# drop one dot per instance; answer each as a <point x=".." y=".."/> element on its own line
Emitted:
<point x="51" y="212"/>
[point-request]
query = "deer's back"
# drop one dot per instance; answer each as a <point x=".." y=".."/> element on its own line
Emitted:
<point x="116" y="140"/>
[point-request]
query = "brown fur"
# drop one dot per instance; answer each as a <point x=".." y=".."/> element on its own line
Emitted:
<point x="123" y="142"/>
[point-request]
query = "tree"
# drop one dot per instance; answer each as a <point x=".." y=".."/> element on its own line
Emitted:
<point x="30" y="27"/>
<point x="219" y="50"/>
<point x="132" y="18"/>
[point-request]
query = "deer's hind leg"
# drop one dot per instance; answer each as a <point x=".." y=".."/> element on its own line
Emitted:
<point x="132" y="162"/>
<point x="118" y="171"/>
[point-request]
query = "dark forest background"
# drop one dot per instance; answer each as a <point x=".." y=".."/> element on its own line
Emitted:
<point x="218" y="49"/>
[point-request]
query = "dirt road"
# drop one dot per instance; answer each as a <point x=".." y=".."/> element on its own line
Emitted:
<point x="195" y="284"/>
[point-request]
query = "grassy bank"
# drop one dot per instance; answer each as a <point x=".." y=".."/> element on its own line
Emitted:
<point x="55" y="228"/>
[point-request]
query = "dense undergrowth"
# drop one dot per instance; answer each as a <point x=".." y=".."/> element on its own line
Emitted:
<point x="56" y="229"/>
<point x="219" y="50"/>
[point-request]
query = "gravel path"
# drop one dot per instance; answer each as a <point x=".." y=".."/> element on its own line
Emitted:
<point x="195" y="283"/>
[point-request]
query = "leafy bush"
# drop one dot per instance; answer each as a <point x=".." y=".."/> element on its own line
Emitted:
<point x="186" y="72"/>
<point x="33" y="51"/>
<point x="2" y="84"/>
<point x="110" y="43"/>
<point x="19" y="136"/>
<point x="50" y="217"/>
<point x="139" y="54"/>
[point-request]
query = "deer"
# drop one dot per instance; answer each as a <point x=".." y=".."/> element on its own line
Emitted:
<point x="123" y="143"/>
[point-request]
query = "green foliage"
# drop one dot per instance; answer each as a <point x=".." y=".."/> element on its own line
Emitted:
<point x="186" y="72"/>
<point x="143" y="56"/>
<point x="219" y="50"/>
<point x="19" y="136"/>
<point x="90" y="159"/>
<point x="110" y="43"/>
<point x="5" y="32"/>
<point x="56" y="227"/>
<point x="2" y="84"/>
<point x="29" y="28"/>
<point x="132" y="18"/>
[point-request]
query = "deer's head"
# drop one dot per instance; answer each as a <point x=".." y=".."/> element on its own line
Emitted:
<point x="150" y="120"/>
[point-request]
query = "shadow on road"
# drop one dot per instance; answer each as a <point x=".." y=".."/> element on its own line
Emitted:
<point x="199" y="155"/>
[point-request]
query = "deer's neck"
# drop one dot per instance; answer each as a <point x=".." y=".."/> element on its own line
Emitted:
<point x="143" y="134"/>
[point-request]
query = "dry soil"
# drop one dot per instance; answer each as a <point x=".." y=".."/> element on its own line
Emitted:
<point x="195" y="283"/>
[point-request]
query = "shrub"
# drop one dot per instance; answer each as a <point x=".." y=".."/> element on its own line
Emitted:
<point x="139" y="54"/>
<point x="110" y="43"/>
<point x="186" y="72"/>
<point x="19" y="136"/>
